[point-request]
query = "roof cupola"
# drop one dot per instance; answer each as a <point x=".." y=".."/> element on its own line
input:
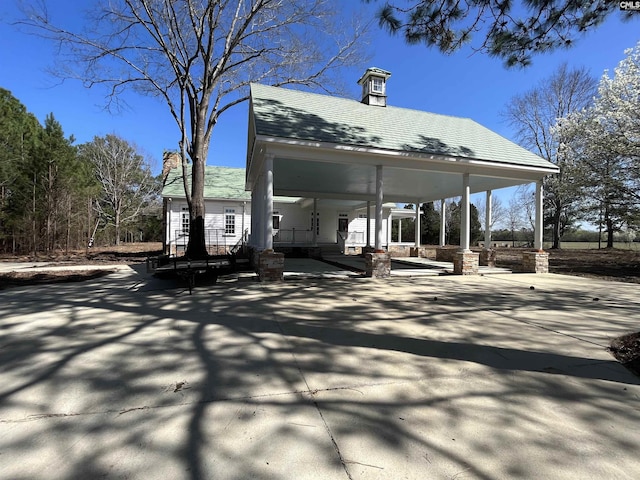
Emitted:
<point x="374" y="86"/>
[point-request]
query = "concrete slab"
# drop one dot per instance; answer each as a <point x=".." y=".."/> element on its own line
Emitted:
<point x="444" y="267"/>
<point x="126" y="376"/>
<point x="310" y="268"/>
<point x="399" y="267"/>
<point x="410" y="266"/>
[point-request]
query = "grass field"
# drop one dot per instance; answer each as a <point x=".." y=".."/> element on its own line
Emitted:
<point x="594" y="245"/>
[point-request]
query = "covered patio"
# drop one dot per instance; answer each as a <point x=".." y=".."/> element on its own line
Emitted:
<point x="321" y="147"/>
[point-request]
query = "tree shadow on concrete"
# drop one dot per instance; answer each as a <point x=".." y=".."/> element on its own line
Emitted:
<point x="110" y="379"/>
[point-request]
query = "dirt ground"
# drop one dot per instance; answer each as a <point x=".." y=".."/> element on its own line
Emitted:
<point x="126" y="253"/>
<point x="129" y="253"/>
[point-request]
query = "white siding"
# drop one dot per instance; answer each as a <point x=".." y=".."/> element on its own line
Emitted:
<point x="214" y="222"/>
<point x="292" y="216"/>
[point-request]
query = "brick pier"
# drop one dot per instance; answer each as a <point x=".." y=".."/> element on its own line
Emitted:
<point x="465" y="263"/>
<point x="271" y="266"/>
<point x="377" y="265"/>
<point x="488" y="257"/>
<point x="535" y="262"/>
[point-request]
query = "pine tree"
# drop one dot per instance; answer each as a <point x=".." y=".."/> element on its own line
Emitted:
<point x="512" y="31"/>
<point x="18" y="139"/>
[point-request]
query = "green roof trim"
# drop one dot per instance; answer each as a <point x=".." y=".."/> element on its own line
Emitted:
<point x="292" y="114"/>
<point x="219" y="183"/>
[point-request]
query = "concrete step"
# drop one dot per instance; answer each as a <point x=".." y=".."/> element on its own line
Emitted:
<point x="329" y="250"/>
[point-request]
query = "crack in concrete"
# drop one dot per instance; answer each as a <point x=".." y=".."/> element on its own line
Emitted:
<point x="309" y="392"/>
<point x="312" y="394"/>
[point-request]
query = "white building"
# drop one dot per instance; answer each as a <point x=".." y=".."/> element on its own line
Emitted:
<point x="321" y="168"/>
<point x="297" y="222"/>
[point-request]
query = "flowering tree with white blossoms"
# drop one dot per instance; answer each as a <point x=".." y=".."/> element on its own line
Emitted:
<point x="604" y="141"/>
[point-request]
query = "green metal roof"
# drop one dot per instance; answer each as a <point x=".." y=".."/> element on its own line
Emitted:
<point x="219" y="183"/>
<point x="291" y="114"/>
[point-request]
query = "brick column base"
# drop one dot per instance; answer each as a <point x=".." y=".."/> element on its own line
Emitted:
<point x="377" y="265"/>
<point x="465" y="263"/>
<point x="535" y="262"/>
<point x="488" y="257"/>
<point x="414" y="251"/>
<point x="271" y="266"/>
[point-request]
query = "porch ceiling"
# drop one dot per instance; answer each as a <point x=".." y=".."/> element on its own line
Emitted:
<point x="299" y="178"/>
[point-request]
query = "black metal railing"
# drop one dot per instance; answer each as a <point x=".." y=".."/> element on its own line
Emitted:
<point x="217" y="241"/>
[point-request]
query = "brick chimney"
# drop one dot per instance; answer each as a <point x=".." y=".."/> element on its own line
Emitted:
<point x="170" y="160"/>
<point x="374" y="86"/>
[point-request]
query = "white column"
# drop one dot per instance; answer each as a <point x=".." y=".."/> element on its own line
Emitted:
<point x="244" y="212"/>
<point x="487" y="221"/>
<point x="260" y="213"/>
<point x="417" y="224"/>
<point x="379" y="199"/>
<point x="253" y="217"/>
<point x="268" y="202"/>
<point x="537" y="243"/>
<point x="400" y="230"/>
<point x="368" y="224"/>
<point x="464" y="218"/>
<point x="315" y="222"/>
<point x="443" y="223"/>
<point x="169" y="226"/>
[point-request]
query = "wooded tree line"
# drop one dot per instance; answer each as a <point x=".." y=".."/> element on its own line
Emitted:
<point x="430" y="224"/>
<point x="55" y="195"/>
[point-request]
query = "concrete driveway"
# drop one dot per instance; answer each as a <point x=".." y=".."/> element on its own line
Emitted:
<point x="408" y="378"/>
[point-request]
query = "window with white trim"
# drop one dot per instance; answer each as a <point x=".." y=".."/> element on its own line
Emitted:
<point x="229" y="221"/>
<point x="184" y="220"/>
<point x="275" y="220"/>
<point x="377" y="85"/>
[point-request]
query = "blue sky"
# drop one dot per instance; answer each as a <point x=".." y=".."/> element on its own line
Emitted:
<point x="462" y="84"/>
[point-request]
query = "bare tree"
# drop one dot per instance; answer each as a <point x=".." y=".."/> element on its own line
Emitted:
<point x="533" y="114"/>
<point x="199" y="57"/>
<point x="514" y="218"/>
<point x="125" y="179"/>
<point x="449" y="218"/>
<point x="498" y="212"/>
